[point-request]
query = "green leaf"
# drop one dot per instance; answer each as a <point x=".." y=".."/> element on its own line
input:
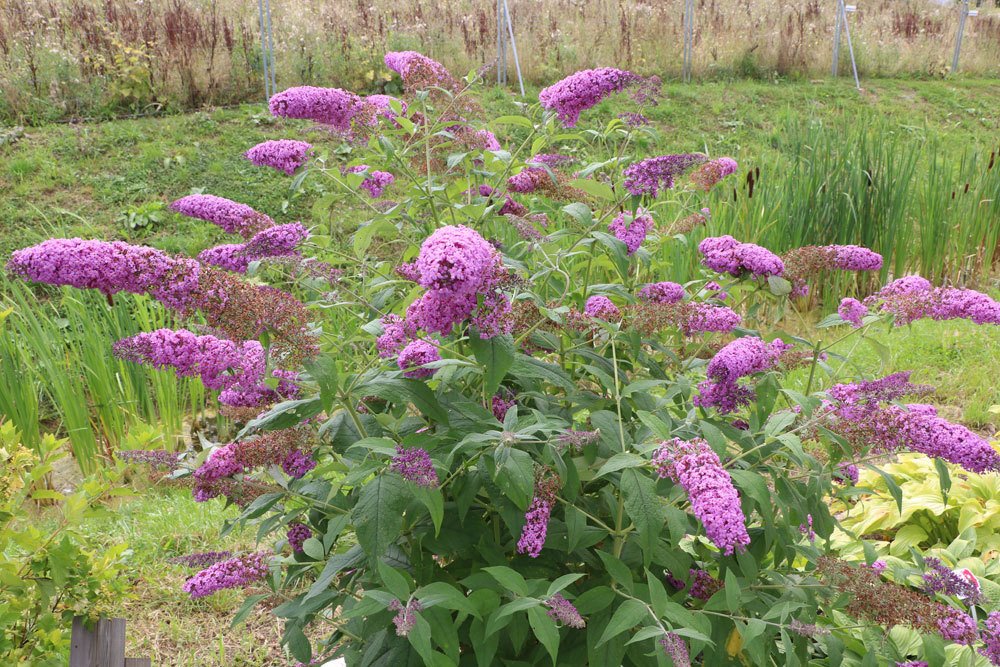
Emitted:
<point x="620" y="462"/>
<point x="580" y="212"/>
<point x="515" y="475"/>
<point x="526" y="367"/>
<point x="394" y="581"/>
<point x="337" y="564"/>
<point x="620" y="573"/>
<point x="627" y="616"/>
<point x="297" y="642"/>
<point x="732" y="587"/>
<point x="402" y="390"/>
<point x="496" y="355"/>
<point x="545" y="631"/>
<point x="595" y="188"/>
<point x="890" y="483"/>
<point x="441" y="594"/>
<point x="246" y="608"/>
<point x="323" y="369"/>
<point x="378" y="515"/>
<point x="520" y="121"/>
<point x="779" y="286"/>
<point x="561" y="583"/>
<point x="658" y="597"/>
<point x="945" y="478"/>
<point x="508" y="578"/>
<point x="433" y="499"/>
<point x="644" y="508"/>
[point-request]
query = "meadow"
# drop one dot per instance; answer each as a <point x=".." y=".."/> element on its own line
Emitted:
<point x="66" y="59"/>
<point x="906" y="169"/>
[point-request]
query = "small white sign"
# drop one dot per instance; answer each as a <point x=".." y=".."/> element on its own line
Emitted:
<point x="850" y="8"/>
<point x="973" y="12"/>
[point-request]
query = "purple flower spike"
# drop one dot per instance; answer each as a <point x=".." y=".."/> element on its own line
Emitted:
<point x="233" y="573"/>
<point x="416" y="354"/>
<point x="714" y="499"/>
<point x="285" y="155"/>
<point x="651" y="175"/>
<point x="563" y="612"/>
<point x="725" y="254"/>
<point x="631" y="229"/>
<point x="583" y="90"/>
<point x="233" y="217"/>
<point x="414" y="465"/>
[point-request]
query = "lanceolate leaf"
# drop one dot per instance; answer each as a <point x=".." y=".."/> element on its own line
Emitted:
<point x="378" y="516"/>
<point x="644" y="508"/>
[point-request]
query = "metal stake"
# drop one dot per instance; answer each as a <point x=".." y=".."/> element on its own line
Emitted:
<point x="270" y="48"/>
<point x="836" y="38"/>
<point x="963" y="14"/>
<point x="513" y="46"/>
<point x="688" y="38"/>
<point x="265" y="61"/>
<point x="850" y="46"/>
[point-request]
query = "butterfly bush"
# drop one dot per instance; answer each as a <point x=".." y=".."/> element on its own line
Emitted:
<point x="494" y="437"/>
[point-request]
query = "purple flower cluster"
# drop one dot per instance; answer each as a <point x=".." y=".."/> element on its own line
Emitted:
<point x="601" y="308"/>
<point x="406" y="616"/>
<point x="414" y="465"/>
<point x="708" y="175"/>
<point x="807" y="261"/>
<point x="232" y="573"/>
<point x="418" y="71"/>
<point x="725" y="254"/>
<point x="737" y="359"/>
<point x="297" y="535"/>
<point x="383" y="106"/>
<point x="530" y="179"/>
<point x="631" y="229"/>
<point x="852" y="310"/>
<point x="277" y="241"/>
<point x="676" y="649"/>
<point x="237" y="369"/>
<point x="564" y="613"/>
<point x="375" y="182"/>
<point x="649" y="176"/>
<point x="455" y="259"/>
<point x="297" y="463"/>
<point x="703" y="584"/>
<point x="688" y="316"/>
<point x="330" y="106"/>
<point x="939" y="578"/>
<point x="536" y="520"/>
<point x="912" y="663"/>
<point x="957" y="627"/>
<point x="857" y="413"/>
<point x="847" y="473"/>
<point x="580" y="91"/>
<point x="285" y="155"/>
<point x="913" y="298"/>
<point x="414" y="355"/>
<point x="663" y="292"/>
<point x="991" y="638"/>
<point x="233" y="217"/>
<point x="111" y="268"/>
<point x="501" y="403"/>
<point x="714" y="499"/>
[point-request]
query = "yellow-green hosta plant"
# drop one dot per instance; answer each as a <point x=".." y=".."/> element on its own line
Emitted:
<point x="49" y="572"/>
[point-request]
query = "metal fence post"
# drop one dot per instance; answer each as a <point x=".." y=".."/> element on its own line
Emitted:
<point x="513" y="45"/>
<point x="688" y="39"/>
<point x="270" y="48"/>
<point x="836" y="38"/>
<point x="963" y="14"/>
<point x="264" y="60"/>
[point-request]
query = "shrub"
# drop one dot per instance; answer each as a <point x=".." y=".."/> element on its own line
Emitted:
<point x="48" y="574"/>
<point x="509" y="439"/>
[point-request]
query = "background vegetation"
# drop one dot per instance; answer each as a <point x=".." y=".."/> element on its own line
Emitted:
<point x="71" y="58"/>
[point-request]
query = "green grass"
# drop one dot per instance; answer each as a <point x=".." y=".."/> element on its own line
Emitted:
<point x="164" y="623"/>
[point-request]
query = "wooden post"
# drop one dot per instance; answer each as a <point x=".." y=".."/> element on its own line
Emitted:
<point x="102" y="646"/>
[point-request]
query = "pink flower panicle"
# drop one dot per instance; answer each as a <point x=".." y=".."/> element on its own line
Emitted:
<point x="663" y="292"/>
<point x="551" y="160"/>
<point x="285" y="155"/>
<point x="418" y="71"/>
<point x="277" y="241"/>
<point x="564" y="613"/>
<point x="725" y="254"/>
<point x="339" y="109"/>
<point x="536" y="520"/>
<point x="631" y="229"/>
<point x="649" y="176"/>
<point x="737" y="359"/>
<point x="580" y="91"/>
<point x="689" y="317"/>
<point x="501" y="403"/>
<point x="809" y="261"/>
<point x="406" y="616"/>
<point x="708" y="175"/>
<point x="991" y="638"/>
<point x="297" y="535"/>
<point x="714" y="499"/>
<point x="383" y="107"/>
<point x="233" y="217"/>
<point x="852" y="310"/>
<point x="530" y="179"/>
<point x="415" y="355"/>
<point x="375" y="182"/>
<point x="676" y="649"/>
<point x="232" y="573"/>
<point x="601" y="308"/>
<point x="913" y="298"/>
<point x="235" y="369"/>
<point x="414" y="465"/>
